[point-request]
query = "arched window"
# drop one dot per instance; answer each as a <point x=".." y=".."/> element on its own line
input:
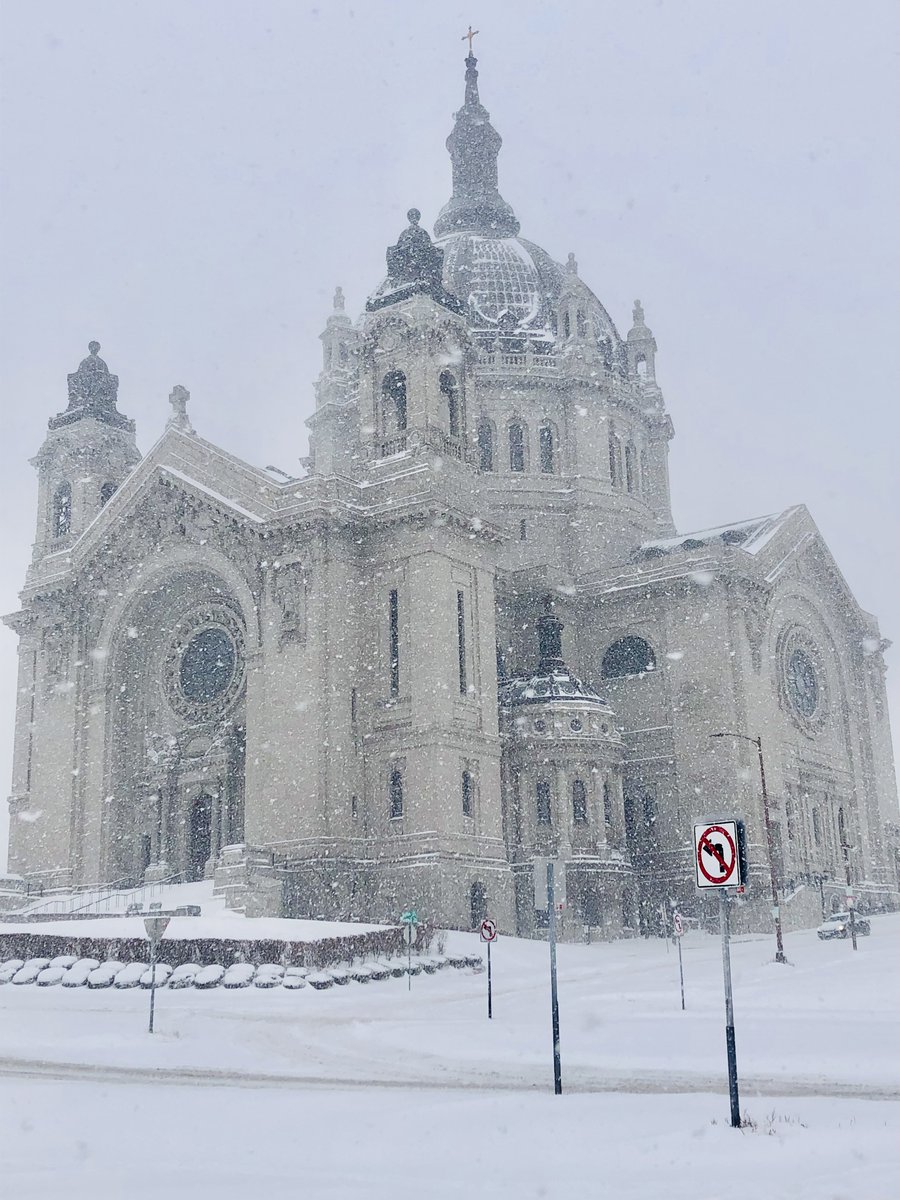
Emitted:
<point x="615" y="461"/>
<point x="468" y="794"/>
<point x="485" y="437"/>
<point x="641" y="366"/>
<point x="344" y="353"/>
<point x="106" y="493"/>
<point x="450" y="392"/>
<point x="817" y="826"/>
<point x="547" y="445"/>
<point x="628" y="656"/>
<point x="607" y="805"/>
<point x="395" y="793"/>
<point x="579" y="802"/>
<point x="580" y="324"/>
<point x="62" y="510"/>
<point x="542" y="795"/>
<point x="567" y="326"/>
<point x="517" y="446"/>
<point x="631" y="475"/>
<point x="393" y="395"/>
<point x="842" y="828"/>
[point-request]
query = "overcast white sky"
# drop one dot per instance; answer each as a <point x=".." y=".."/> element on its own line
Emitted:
<point x="187" y="181"/>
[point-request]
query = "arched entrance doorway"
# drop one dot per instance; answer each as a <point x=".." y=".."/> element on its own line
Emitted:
<point x="199" y="836"/>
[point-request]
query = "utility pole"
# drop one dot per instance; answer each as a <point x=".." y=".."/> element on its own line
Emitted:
<point x="770" y="847"/>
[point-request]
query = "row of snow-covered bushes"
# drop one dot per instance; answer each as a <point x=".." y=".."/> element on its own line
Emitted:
<point x="67" y="971"/>
<point x="225" y="951"/>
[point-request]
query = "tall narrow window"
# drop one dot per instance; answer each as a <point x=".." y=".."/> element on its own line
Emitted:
<point x="485" y="445"/>
<point x="523" y="531"/>
<point x="607" y="805"/>
<point x="395" y="790"/>
<point x="581" y="324"/>
<point x="354" y="706"/>
<point x="579" y="802"/>
<point x="817" y="826"/>
<point x="394" y="640"/>
<point x="62" y="510"/>
<point x="468" y="794"/>
<point x="543" y="801"/>
<point x="615" y="461"/>
<point x="450" y="393"/>
<point x="393" y="395"/>
<point x="630" y="468"/>
<point x="461" y="641"/>
<point x="517" y="446"/>
<point x="545" y="439"/>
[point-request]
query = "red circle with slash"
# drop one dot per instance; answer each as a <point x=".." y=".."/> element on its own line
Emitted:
<point x="708" y="847"/>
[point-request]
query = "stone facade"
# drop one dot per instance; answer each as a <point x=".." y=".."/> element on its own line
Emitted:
<point x="468" y="639"/>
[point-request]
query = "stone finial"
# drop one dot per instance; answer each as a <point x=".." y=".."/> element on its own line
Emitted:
<point x="415" y="257"/>
<point x="178" y="398"/>
<point x="338" y="299"/>
<point x="638" y="313"/>
<point x="571" y="264"/>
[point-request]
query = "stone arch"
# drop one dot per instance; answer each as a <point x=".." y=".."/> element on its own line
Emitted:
<point x="166" y="740"/>
<point x="153" y="574"/>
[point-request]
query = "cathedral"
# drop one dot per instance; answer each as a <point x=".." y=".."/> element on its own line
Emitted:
<point x="467" y="641"/>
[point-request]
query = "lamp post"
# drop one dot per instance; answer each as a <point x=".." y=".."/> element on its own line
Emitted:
<point x="767" y="821"/>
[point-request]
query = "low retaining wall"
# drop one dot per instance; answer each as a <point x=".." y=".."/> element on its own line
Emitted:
<point x="225" y="951"/>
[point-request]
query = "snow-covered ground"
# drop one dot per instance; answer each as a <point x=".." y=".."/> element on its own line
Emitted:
<point x="372" y="1090"/>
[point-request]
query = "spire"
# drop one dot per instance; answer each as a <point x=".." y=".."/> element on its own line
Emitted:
<point x="93" y="392"/>
<point x="476" y="205"/>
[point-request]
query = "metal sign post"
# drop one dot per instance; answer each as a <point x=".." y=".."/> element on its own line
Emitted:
<point x="488" y="932"/>
<point x="554" y="998"/>
<point x="155" y="927"/>
<point x="678" y="934"/>
<point x="719" y="859"/>
<point x="724" y="923"/>
<point x="410" y="919"/>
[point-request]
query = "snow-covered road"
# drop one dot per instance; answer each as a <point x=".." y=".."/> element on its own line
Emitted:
<point x="378" y="1091"/>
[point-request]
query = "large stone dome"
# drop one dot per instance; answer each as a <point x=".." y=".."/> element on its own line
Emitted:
<point x="494" y="276"/>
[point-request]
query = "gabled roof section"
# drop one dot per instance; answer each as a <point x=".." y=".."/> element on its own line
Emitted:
<point x="751" y="535"/>
<point x="761" y="549"/>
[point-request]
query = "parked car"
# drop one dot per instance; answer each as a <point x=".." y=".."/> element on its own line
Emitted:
<point x="838" y="926"/>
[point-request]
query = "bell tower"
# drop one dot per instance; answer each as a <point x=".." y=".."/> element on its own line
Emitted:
<point x="417" y="358"/>
<point x="88" y="451"/>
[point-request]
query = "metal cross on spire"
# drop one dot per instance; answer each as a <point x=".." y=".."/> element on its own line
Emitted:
<point x="469" y="36"/>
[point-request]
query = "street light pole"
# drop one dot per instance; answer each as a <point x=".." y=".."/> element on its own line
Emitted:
<point x="767" y="822"/>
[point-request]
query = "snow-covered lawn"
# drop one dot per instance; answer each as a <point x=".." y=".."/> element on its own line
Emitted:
<point x="381" y="1092"/>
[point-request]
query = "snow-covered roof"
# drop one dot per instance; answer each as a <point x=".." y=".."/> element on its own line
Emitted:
<point x="751" y="535"/>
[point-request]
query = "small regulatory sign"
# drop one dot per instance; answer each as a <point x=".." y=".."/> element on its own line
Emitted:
<point x="677" y="924"/>
<point x="488" y="930"/>
<point x="716" y="855"/>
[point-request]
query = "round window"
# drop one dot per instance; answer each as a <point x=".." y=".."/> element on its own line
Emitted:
<point x="204" y="666"/>
<point x="207" y="665"/>
<point x="576" y="725"/>
<point x="802" y="683"/>
<point x="540" y="724"/>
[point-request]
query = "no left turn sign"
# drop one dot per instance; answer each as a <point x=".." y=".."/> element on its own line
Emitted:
<point x="488" y="930"/>
<point x="716" y="855"/>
